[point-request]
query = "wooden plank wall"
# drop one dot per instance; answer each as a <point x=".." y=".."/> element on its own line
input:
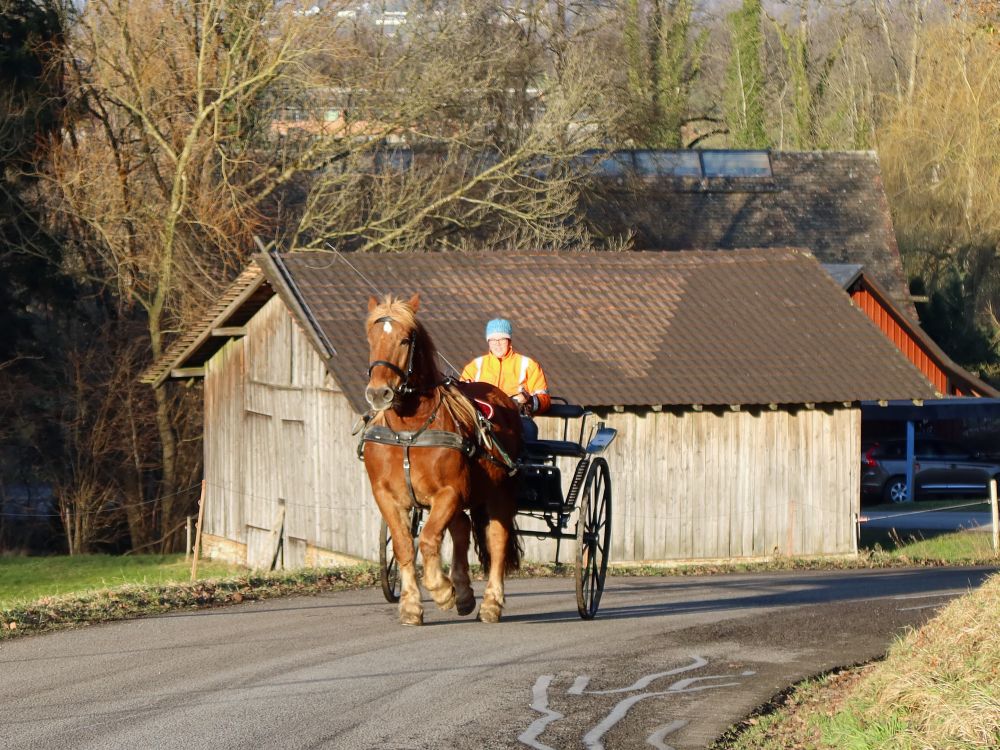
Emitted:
<point x="742" y="484"/>
<point x="277" y="430"/>
<point x="223" y="443"/>
<point x="697" y="485"/>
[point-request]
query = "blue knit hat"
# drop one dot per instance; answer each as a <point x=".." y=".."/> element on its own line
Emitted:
<point x="498" y="328"/>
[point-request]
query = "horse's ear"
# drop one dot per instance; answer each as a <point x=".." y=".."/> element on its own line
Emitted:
<point x="414" y="302"/>
<point x="372" y="303"/>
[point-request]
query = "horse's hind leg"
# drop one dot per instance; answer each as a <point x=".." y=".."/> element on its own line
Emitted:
<point x="497" y="539"/>
<point x="444" y="507"/>
<point x="461" y="529"/>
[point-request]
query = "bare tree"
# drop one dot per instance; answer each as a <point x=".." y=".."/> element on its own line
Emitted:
<point x="466" y="126"/>
<point x="88" y="491"/>
<point x="202" y="124"/>
<point x="942" y="167"/>
<point x="158" y="182"/>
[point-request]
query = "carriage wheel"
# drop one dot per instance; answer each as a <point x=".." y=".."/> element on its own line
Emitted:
<point x="593" y="538"/>
<point x="388" y="567"/>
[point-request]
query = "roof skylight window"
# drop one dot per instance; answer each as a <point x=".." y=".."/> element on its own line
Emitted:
<point x="736" y="163"/>
<point x="665" y="163"/>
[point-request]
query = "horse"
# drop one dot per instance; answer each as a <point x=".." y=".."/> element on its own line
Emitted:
<point x="425" y="444"/>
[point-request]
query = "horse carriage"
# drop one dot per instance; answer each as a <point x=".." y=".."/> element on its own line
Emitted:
<point x="444" y="456"/>
<point x="540" y="496"/>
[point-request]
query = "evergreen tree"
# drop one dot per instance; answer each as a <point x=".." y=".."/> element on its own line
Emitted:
<point x="744" y="96"/>
<point x="663" y="56"/>
<point x="30" y="107"/>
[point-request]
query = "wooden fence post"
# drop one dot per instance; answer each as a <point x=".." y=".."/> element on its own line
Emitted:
<point x="278" y="536"/>
<point x="187" y="538"/>
<point x="996" y="517"/>
<point x="196" y="552"/>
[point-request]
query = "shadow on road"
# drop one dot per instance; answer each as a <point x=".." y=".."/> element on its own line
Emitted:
<point x="766" y="592"/>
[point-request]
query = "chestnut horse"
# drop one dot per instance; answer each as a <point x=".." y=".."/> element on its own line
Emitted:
<point x="424" y="444"/>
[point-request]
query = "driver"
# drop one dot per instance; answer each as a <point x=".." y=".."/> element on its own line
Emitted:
<point x="517" y="375"/>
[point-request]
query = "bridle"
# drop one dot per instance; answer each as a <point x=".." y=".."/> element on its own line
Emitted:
<point x="404" y="375"/>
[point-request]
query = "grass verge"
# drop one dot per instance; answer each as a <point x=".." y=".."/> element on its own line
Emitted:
<point x="135" y="600"/>
<point x="938" y="687"/>
<point x="24" y="579"/>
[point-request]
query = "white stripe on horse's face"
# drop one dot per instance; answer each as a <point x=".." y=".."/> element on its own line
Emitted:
<point x="387" y="327"/>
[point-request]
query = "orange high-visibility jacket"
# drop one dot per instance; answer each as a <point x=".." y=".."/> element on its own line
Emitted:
<point x="511" y="374"/>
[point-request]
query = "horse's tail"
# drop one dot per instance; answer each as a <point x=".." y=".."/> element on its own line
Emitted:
<point x="514" y="549"/>
<point x="512" y="557"/>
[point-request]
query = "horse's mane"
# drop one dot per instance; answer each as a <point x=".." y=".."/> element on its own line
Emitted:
<point x="425" y="362"/>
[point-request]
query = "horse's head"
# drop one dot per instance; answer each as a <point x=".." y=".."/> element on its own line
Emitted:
<point x="392" y="342"/>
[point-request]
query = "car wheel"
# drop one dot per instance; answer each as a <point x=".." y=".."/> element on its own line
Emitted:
<point x="895" y="490"/>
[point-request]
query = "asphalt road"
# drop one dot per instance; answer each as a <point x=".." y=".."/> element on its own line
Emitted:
<point x="670" y="662"/>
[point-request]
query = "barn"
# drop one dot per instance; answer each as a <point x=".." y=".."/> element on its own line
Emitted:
<point x="734" y="380"/>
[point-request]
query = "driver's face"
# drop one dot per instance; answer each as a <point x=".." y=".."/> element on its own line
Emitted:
<point x="499" y="346"/>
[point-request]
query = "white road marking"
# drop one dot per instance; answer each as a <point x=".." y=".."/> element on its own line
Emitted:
<point x="656" y="738"/>
<point x="540" y="703"/>
<point x="922" y="606"/>
<point x="592" y="739"/>
<point x="643" y="683"/>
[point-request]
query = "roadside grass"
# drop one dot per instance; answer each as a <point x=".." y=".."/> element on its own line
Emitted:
<point x="927" y="547"/>
<point x="938" y="687"/>
<point x="141" y="599"/>
<point x="24" y="579"/>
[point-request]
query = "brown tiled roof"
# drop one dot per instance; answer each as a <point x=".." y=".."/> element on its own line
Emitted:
<point x="632" y="329"/>
<point x="244" y="296"/>
<point x="831" y="203"/>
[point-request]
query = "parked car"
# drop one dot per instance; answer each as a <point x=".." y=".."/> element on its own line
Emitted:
<point x="940" y="469"/>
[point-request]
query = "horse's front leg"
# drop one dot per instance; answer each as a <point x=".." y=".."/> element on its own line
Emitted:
<point x="461" y="531"/>
<point x="397" y="518"/>
<point x="444" y="507"/>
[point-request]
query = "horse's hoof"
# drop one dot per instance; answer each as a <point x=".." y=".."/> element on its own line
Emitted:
<point x="489" y="614"/>
<point x="448" y="602"/>
<point x="466" y="606"/>
<point x="412" y="619"/>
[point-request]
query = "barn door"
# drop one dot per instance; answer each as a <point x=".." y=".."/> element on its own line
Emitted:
<point x="259" y="488"/>
<point x="275" y="474"/>
<point x="291" y="480"/>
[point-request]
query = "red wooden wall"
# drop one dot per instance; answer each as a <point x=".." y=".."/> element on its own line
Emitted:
<point x="905" y="342"/>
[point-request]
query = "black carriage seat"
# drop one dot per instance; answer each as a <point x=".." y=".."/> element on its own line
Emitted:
<point x="565" y="411"/>
<point x="539" y="449"/>
<point x="543" y="448"/>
